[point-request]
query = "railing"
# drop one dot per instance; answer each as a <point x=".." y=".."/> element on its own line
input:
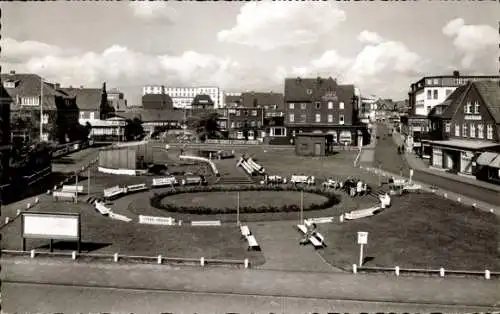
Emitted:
<point x="441" y="272"/>
<point x="115" y="257"/>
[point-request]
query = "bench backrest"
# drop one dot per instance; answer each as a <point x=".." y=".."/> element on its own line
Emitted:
<point x="251" y="241"/>
<point x="137" y="187"/>
<point x="115" y="190"/>
<point x="101" y="208"/>
<point x="72" y="188"/>
<point x="119" y="217"/>
<point x="206" y="223"/>
<point x="315" y="242"/>
<point x="164" y="181"/>
<point x="152" y="220"/>
<point x="245" y="231"/>
<point x="64" y="194"/>
<point x="302" y="179"/>
<point x="193" y="179"/>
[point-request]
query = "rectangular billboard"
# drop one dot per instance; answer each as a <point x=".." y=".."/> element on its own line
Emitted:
<point x="51" y="226"/>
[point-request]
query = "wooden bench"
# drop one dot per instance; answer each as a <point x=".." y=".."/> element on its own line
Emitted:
<point x="206" y="223"/>
<point x="245" y="231"/>
<point x="72" y="188"/>
<point x="159" y="182"/>
<point x="102" y="209"/>
<point x="113" y="192"/>
<point x="64" y="195"/>
<point x="317" y="240"/>
<point x="136" y="187"/>
<point x="252" y="243"/>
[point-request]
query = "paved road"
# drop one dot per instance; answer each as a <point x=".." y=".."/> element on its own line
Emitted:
<point x="71" y="299"/>
<point x="317" y="285"/>
<point x="386" y="155"/>
<point x="72" y="162"/>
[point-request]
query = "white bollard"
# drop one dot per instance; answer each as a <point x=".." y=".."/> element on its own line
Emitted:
<point x="491" y="210"/>
<point x="159" y="259"/>
<point x="55" y="187"/>
<point x="36" y="200"/>
<point x="445" y="195"/>
<point x="18" y="212"/>
<point x="48" y="192"/>
<point x="73" y="255"/>
<point x="396" y="270"/>
<point x="202" y="261"/>
<point x="474" y="205"/>
<point x="441" y="272"/>
<point x="354" y="268"/>
<point x="246" y="262"/>
<point x="7" y="220"/>
<point x="32" y="253"/>
<point x="28" y="205"/>
<point x="341" y="218"/>
<point x="115" y="257"/>
<point x="459" y="199"/>
<point x="487" y="274"/>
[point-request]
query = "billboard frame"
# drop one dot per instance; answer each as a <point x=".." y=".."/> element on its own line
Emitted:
<point x="78" y="238"/>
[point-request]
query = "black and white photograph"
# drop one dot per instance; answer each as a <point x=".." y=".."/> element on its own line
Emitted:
<point x="250" y="157"/>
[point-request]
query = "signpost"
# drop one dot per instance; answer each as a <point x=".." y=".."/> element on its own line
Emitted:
<point x="411" y="175"/>
<point x="362" y="240"/>
<point x="301" y="217"/>
<point x="238" y="208"/>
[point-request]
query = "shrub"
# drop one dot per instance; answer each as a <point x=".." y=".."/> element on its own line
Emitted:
<point x="156" y="201"/>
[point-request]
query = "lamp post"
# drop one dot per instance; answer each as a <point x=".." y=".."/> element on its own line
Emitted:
<point x="238" y="208"/>
<point x="41" y="108"/>
<point x="301" y="216"/>
<point x="379" y="174"/>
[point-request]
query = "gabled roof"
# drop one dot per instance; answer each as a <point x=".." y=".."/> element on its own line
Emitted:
<point x="262" y="99"/>
<point x="152" y="115"/>
<point x="490" y="92"/>
<point x="229" y="99"/>
<point x="203" y="99"/>
<point x="452" y="102"/>
<point x="87" y="99"/>
<point x="157" y="102"/>
<point x="310" y="89"/>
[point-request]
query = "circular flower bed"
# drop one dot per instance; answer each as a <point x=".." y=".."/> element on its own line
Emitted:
<point x="156" y="201"/>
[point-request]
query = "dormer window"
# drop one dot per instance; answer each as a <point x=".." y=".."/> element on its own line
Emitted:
<point x="10" y="84"/>
<point x="476" y="107"/>
<point x="309" y="91"/>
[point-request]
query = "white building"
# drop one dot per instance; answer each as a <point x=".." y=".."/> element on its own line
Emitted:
<point x="182" y="97"/>
<point x="430" y="91"/>
<point x="368" y="109"/>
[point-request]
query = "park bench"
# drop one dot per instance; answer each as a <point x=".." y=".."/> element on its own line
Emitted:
<point x="152" y="220"/>
<point x="72" y="188"/>
<point x="112" y="192"/>
<point x="317" y="240"/>
<point x="206" y="223"/>
<point x="252" y="243"/>
<point x="119" y="217"/>
<point x="245" y="231"/>
<point x="193" y="180"/>
<point x="319" y="220"/>
<point x="64" y="196"/>
<point x="136" y="187"/>
<point x="102" y="209"/>
<point x="309" y="180"/>
<point x="159" y="182"/>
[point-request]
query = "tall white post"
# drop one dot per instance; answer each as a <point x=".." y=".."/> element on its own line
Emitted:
<point x="360" y="255"/>
<point x="41" y="108"/>
<point x="301" y="207"/>
<point x="88" y="180"/>
<point x="76" y="190"/>
<point x="238" y="208"/>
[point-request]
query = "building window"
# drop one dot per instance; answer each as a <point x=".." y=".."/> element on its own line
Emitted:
<point x="341" y="105"/>
<point x="292" y="117"/>
<point x="472" y="132"/>
<point x="447" y="127"/>
<point x="435" y="94"/>
<point x="246" y="112"/>
<point x="448" y="92"/>
<point x="429" y="94"/>
<point x="476" y="107"/>
<point x="291" y="105"/>
<point x="253" y="123"/>
<point x="489" y="132"/>
<point x="457" y="130"/>
<point x="480" y="131"/>
<point x="82" y="115"/>
<point x="468" y="108"/>
<point x="303" y="106"/>
<point x="254" y="113"/>
<point x="330" y="105"/>
<point x="303" y="118"/>
<point x="238" y="113"/>
<point x="318" y="117"/>
<point x="341" y="119"/>
<point x="45" y="119"/>
<point x="330" y="118"/>
<point x="239" y="134"/>
<point x="318" y="105"/>
<point x="232" y="125"/>
<point x="464" y="130"/>
<point x="428" y="81"/>
<point x="435" y="81"/>
<point x="92" y="115"/>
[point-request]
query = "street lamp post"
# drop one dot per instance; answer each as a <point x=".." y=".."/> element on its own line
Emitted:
<point x="41" y="108"/>
<point x="379" y="174"/>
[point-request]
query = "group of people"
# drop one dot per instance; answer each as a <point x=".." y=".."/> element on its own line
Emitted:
<point x="356" y="187"/>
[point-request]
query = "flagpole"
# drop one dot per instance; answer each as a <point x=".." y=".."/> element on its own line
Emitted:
<point x="238" y="208"/>
<point x="41" y="108"/>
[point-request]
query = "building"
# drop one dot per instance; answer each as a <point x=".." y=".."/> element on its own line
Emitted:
<point x="182" y="97"/>
<point x="5" y="146"/>
<point x="368" y="109"/>
<point x="116" y="99"/>
<point x="430" y="91"/>
<point x="245" y="123"/>
<point x="311" y="144"/>
<point x="157" y="102"/>
<point x="202" y="101"/>
<point x="154" y="119"/>
<point x="318" y="105"/>
<point x="232" y="99"/>
<point x="59" y="110"/>
<point x="464" y="126"/>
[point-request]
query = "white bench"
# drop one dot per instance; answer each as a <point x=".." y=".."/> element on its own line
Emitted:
<point x="310" y="180"/>
<point x="113" y="191"/>
<point x="319" y="220"/>
<point x="152" y="220"/>
<point x="192" y="180"/>
<point x="119" y="217"/>
<point x="159" y="182"/>
<point x="72" y="188"/>
<point x="252" y="243"/>
<point x="317" y="240"/>
<point x="101" y="208"/>
<point x="136" y="187"/>
<point x="64" y="195"/>
<point x="245" y="231"/>
<point x="206" y="223"/>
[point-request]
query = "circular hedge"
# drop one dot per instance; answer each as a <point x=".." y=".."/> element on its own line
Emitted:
<point x="156" y="200"/>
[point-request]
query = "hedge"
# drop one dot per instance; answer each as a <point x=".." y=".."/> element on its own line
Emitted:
<point x="155" y="201"/>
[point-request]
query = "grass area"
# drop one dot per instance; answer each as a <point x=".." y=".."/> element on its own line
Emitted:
<point x="247" y="199"/>
<point x="419" y="231"/>
<point x="104" y="235"/>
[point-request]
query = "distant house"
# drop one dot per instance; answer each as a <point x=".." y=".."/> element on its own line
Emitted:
<point x="116" y="99"/>
<point x="88" y="101"/>
<point x="463" y="127"/>
<point x="157" y="102"/>
<point x="202" y="101"/>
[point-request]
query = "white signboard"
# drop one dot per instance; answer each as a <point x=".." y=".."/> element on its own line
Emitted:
<point x="50" y="226"/>
<point x="362" y="237"/>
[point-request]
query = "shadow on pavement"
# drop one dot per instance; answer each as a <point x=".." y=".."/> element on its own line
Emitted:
<point x="72" y="246"/>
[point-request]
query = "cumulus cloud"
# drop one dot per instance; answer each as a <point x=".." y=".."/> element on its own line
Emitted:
<point x="375" y="67"/>
<point x="14" y="51"/>
<point x="154" y="11"/>
<point x="369" y="37"/>
<point x="269" y="25"/>
<point x="472" y="41"/>
<point x="121" y="66"/>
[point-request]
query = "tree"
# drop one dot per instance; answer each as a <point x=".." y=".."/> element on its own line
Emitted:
<point x="134" y="129"/>
<point x="106" y="110"/>
<point x="205" y="126"/>
<point x="79" y="132"/>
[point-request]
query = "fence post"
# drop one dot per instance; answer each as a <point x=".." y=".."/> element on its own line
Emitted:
<point x="246" y="262"/>
<point x="445" y="195"/>
<point x="487" y="274"/>
<point x="36" y="200"/>
<point x="73" y="255"/>
<point x="159" y="259"/>
<point x="18" y="212"/>
<point x="459" y="199"/>
<point x="32" y="253"/>
<point x="28" y="205"/>
<point x="115" y="257"/>
<point x="7" y="220"/>
<point x="341" y="218"/>
<point x="354" y="268"/>
<point x="202" y="261"/>
<point x="396" y="270"/>
<point x="441" y="272"/>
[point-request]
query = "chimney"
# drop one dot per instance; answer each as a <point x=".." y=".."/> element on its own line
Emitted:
<point x="57" y="85"/>
<point x="81" y="86"/>
<point x="456" y="73"/>
<point x="12" y="72"/>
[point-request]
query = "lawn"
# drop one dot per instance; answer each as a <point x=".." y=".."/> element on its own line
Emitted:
<point x="419" y="231"/>
<point x="247" y="199"/>
<point x="104" y="235"/>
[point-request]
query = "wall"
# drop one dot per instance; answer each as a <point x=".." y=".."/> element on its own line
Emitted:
<point x="118" y="158"/>
<point x="305" y="146"/>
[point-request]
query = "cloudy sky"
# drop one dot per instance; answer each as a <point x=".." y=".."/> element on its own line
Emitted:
<point x="379" y="46"/>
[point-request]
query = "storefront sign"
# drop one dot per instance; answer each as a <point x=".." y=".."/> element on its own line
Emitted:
<point x="330" y="96"/>
<point x="473" y="117"/>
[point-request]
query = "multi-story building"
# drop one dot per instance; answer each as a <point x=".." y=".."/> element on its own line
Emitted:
<point x="245" y="123"/>
<point x="5" y="101"/>
<point x="232" y="99"/>
<point x="182" y="97"/>
<point x="318" y="105"/>
<point x="464" y="126"/>
<point x="59" y="110"/>
<point x="116" y="99"/>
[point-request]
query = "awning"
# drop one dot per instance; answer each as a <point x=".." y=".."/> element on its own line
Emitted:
<point x="495" y="163"/>
<point x="463" y="144"/>
<point x="486" y="158"/>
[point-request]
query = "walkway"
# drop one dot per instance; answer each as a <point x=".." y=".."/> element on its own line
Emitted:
<point x="279" y="241"/>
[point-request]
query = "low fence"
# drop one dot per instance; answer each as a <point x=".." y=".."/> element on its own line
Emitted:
<point x="128" y="172"/>
<point x="116" y="257"/>
<point x="233" y="142"/>
<point x="441" y="272"/>
<point x="68" y="148"/>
